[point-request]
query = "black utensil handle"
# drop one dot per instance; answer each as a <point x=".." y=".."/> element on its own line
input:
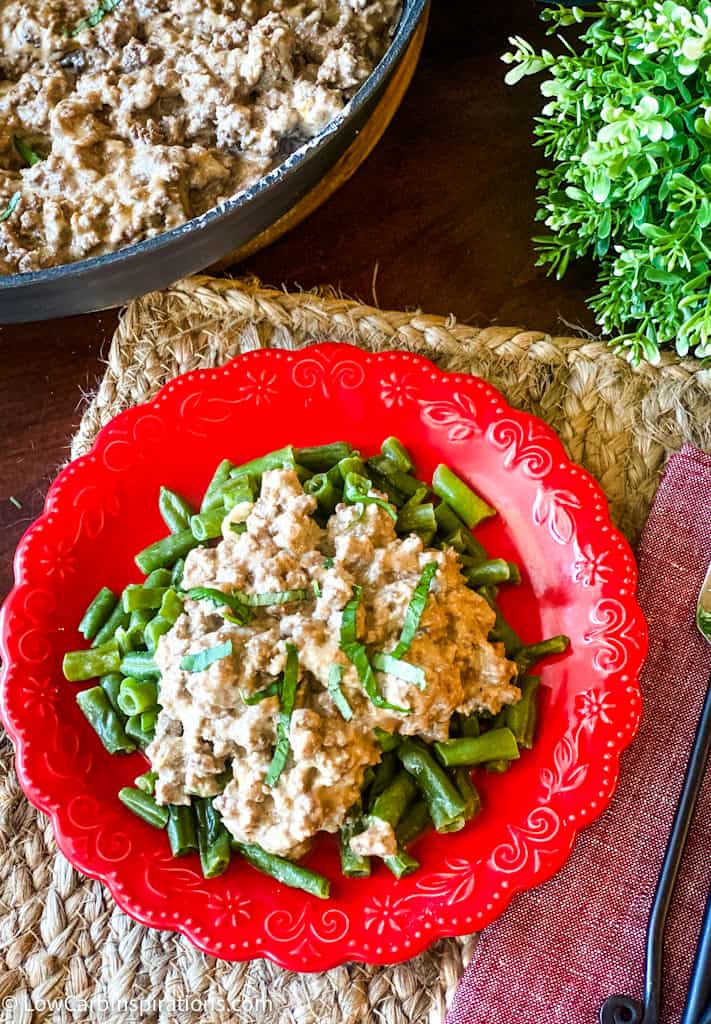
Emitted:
<point x="672" y="858"/>
<point x="698" y="999"/>
<point x="623" y="1006"/>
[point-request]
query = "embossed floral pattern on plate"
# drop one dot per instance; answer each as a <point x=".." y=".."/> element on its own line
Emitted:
<point x="579" y="578"/>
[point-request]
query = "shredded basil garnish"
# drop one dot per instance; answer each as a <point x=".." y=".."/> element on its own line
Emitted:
<point x="201" y="660"/>
<point x="25" y="152"/>
<point x="272" y="690"/>
<point x="356" y="491"/>
<point x="335" y="675"/>
<point x="404" y="670"/>
<point x="286" y="706"/>
<point x="11" y="206"/>
<point x="328" y="563"/>
<point x="233" y="600"/>
<point x="276" y="597"/>
<point x="92" y="19"/>
<point x="415" y="608"/>
<point x="317" y="588"/>
<point x="358" y="656"/>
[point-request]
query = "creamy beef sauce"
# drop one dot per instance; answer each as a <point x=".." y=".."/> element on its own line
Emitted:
<point x="161" y="110"/>
<point x="205" y="726"/>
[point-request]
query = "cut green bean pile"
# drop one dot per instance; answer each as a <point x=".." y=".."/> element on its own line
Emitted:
<point x="415" y="785"/>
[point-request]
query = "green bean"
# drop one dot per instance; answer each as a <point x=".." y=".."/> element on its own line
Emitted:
<point x="146" y="782"/>
<point x="158" y="578"/>
<point x="494" y="745"/>
<point x="502" y="631"/>
<point x="140" y="665"/>
<point x="420" y="519"/>
<point x="529" y="654"/>
<point x="176" y="576"/>
<point x="166" y="551"/>
<point x="401" y="863"/>
<point x="282" y="458"/>
<point x="460" y="497"/>
<point x="494" y="570"/>
<point x="396" y="451"/>
<point x="284" y="871"/>
<point x="444" y="801"/>
<point x="116" y="619"/>
<point x="134" y="729"/>
<point x="243" y="490"/>
<point x="144" y="806"/>
<point x="406" y="484"/>
<point x="137" y="597"/>
<point x="104" y="720"/>
<point x="353" y="865"/>
<point x="149" y="718"/>
<point x="464" y="784"/>
<point x="322" y="489"/>
<point x="140" y="619"/>
<point x="213" y="839"/>
<point x="413" y="823"/>
<point x="382" y="484"/>
<point x="323" y="457"/>
<point x="91" y="662"/>
<point x="384" y="774"/>
<point x="111" y="684"/>
<point x="174" y="509"/>
<point x="127" y="640"/>
<point x="517" y="715"/>
<point x="212" y="497"/>
<point x="98" y="612"/>
<point x="391" y="803"/>
<point x="514" y="573"/>
<point x="386" y="740"/>
<point x="136" y="695"/>
<point x="208" y="525"/>
<point x="460" y="539"/>
<point x="181" y="829"/>
<point x="171" y="608"/>
<point x="498" y="767"/>
<point x="351" y="464"/>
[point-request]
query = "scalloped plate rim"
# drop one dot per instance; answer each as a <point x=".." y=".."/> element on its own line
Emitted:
<point x="45" y="803"/>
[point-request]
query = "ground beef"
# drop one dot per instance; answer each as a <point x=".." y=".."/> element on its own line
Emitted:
<point x="206" y="725"/>
<point x="161" y="110"/>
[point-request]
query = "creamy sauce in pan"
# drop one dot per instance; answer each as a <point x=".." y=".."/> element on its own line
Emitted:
<point x="161" y="110"/>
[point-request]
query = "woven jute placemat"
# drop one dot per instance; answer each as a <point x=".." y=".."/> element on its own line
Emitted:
<point x="66" y="952"/>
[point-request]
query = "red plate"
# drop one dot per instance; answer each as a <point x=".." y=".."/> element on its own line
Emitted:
<point x="579" y="579"/>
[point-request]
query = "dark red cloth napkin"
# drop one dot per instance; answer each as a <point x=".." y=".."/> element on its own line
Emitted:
<point x="562" y="948"/>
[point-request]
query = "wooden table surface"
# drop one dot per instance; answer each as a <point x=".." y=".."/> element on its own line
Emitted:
<point x="443" y="208"/>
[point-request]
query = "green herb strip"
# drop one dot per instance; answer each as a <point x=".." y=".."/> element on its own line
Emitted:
<point x="25" y="152"/>
<point x="357" y="492"/>
<point x="272" y="690"/>
<point x="94" y="17"/>
<point x="415" y="609"/>
<point x="328" y="563"/>
<point x="201" y="660"/>
<point x="404" y="670"/>
<point x="358" y="656"/>
<point x="276" y="597"/>
<point x="11" y="206"/>
<point x="335" y="675"/>
<point x="241" y="613"/>
<point x="286" y="706"/>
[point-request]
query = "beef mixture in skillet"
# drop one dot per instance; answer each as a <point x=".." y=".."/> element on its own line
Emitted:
<point x="121" y="121"/>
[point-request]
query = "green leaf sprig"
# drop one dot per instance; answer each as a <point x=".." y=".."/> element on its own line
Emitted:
<point x="92" y="19"/>
<point x="627" y="129"/>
